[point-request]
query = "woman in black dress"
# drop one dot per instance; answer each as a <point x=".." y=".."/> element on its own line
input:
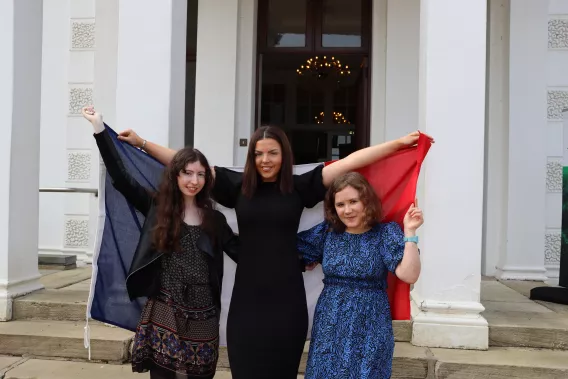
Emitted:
<point x="178" y="263"/>
<point x="268" y="318"/>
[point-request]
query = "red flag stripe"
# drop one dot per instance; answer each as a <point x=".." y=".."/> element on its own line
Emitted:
<point x="395" y="179"/>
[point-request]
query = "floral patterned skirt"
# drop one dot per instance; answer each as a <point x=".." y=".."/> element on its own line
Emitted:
<point x="177" y="338"/>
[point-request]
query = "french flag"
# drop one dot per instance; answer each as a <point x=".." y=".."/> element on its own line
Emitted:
<point x="394" y="179"/>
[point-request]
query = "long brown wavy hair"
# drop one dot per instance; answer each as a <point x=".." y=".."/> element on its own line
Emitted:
<point x="170" y="204"/>
<point x="285" y="176"/>
<point x="367" y="195"/>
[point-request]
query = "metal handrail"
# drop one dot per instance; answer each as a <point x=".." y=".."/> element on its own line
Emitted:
<point x="94" y="191"/>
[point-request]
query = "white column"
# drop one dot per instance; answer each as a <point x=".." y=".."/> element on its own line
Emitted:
<point x="497" y="137"/>
<point x="106" y="60"/>
<point x="452" y="109"/>
<point x="56" y="39"/>
<point x="246" y="78"/>
<point x="402" y="56"/>
<point x="216" y="79"/>
<point x="523" y="257"/>
<point x="20" y="94"/>
<point x="150" y="87"/>
<point x="378" y="70"/>
<point x="79" y="218"/>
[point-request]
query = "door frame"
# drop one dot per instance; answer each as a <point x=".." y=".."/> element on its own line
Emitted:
<point x="314" y="22"/>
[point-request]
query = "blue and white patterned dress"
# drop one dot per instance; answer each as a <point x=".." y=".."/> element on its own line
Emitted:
<point x="352" y="334"/>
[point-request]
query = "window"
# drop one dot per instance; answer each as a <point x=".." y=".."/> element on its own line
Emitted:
<point x="314" y="25"/>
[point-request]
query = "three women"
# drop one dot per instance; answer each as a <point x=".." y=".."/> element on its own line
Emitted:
<point x="268" y="318"/>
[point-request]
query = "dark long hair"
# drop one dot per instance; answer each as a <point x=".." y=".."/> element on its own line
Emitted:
<point x="285" y="176"/>
<point x="170" y="204"/>
<point x="367" y="195"/>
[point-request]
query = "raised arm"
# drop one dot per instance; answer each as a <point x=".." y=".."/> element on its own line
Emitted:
<point x="408" y="270"/>
<point x="366" y="156"/>
<point x="135" y="194"/>
<point x="162" y="154"/>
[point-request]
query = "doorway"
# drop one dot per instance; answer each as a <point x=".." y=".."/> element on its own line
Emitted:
<point x="313" y="75"/>
<point x="190" y="59"/>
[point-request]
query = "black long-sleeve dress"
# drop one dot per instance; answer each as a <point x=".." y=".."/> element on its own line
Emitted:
<point x="268" y="317"/>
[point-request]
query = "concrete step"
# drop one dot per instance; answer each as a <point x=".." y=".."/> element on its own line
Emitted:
<point x="62" y="279"/>
<point x="57" y="261"/>
<point x="402" y="330"/>
<point x="50" y="304"/>
<point x="542" y="332"/>
<point x="70" y="304"/>
<point x="410" y="362"/>
<point x="64" y="339"/>
<point x="48" y="369"/>
<point x="500" y="363"/>
<point x="516" y="321"/>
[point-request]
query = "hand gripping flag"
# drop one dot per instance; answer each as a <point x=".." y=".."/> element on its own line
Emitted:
<point x="119" y="224"/>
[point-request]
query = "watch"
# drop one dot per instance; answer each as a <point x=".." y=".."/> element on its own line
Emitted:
<point x="411" y="239"/>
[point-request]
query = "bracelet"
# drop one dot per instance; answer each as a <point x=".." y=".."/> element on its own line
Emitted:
<point x="143" y="145"/>
<point x="411" y="239"/>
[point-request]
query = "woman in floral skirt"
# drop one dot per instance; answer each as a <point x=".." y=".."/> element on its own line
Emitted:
<point x="178" y="263"/>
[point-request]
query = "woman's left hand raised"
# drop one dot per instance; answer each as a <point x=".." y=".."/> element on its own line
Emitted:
<point x="412" y="138"/>
<point x="413" y="218"/>
<point x="94" y="117"/>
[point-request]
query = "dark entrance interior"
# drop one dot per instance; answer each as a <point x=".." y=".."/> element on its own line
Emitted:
<point x="313" y="74"/>
<point x="191" y="55"/>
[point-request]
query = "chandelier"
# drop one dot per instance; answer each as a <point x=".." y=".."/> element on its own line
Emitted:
<point x="338" y="118"/>
<point x="322" y="67"/>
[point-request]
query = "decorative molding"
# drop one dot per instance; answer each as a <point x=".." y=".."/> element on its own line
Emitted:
<point x="552" y="248"/>
<point x="76" y="233"/>
<point x="554" y="176"/>
<point x="78" y="98"/>
<point x="449" y="324"/>
<point x="78" y="166"/>
<point x="12" y="289"/>
<point x="558" y="34"/>
<point x="521" y="273"/>
<point x="83" y="35"/>
<point x="552" y="273"/>
<point x="557" y="101"/>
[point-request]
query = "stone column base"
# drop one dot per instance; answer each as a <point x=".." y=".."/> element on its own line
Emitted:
<point x="521" y="273"/>
<point x="453" y="325"/>
<point x="10" y="290"/>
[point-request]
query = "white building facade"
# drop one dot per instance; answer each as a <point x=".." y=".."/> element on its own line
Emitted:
<point x="487" y="79"/>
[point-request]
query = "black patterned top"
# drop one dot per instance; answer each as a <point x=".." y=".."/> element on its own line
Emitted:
<point x="185" y="274"/>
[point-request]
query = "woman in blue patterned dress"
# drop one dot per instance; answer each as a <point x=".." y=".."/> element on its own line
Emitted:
<point x="352" y="335"/>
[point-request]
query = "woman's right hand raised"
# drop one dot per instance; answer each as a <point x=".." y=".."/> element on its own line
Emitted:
<point x="131" y="137"/>
<point x="94" y="117"/>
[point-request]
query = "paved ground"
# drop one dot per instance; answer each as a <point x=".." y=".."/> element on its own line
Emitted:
<point x="49" y="369"/>
<point x="513" y="319"/>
